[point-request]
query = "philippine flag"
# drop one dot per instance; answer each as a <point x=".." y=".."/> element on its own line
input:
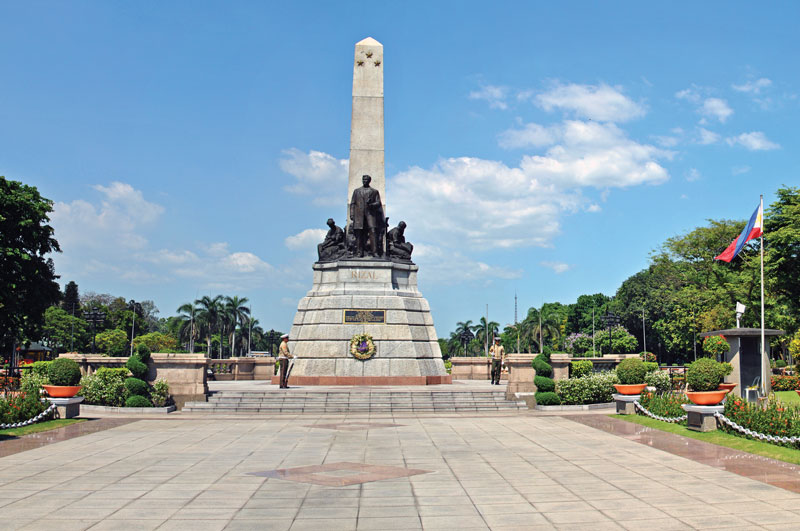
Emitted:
<point x="754" y="229"/>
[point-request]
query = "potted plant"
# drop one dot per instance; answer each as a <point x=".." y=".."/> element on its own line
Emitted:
<point x="703" y="378"/>
<point x="64" y="375"/>
<point x="631" y="373"/>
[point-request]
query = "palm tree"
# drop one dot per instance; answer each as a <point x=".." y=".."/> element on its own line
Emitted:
<point x="462" y="327"/>
<point x="188" y="329"/>
<point x="546" y="325"/>
<point x="235" y="313"/>
<point x="208" y="315"/>
<point x="480" y="330"/>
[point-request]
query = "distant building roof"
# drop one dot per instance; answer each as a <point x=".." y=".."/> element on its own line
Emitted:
<point x="744" y="332"/>
<point x="36" y="347"/>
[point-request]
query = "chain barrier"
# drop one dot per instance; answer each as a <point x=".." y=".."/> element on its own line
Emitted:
<point x="751" y="433"/>
<point x="658" y="417"/>
<point x="33" y="420"/>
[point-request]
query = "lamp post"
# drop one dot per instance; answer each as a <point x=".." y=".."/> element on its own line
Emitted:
<point x="272" y="335"/>
<point x="95" y="317"/>
<point x="466" y="337"/>
<point x="134" y="307"/>
<point x="611" y="320"/>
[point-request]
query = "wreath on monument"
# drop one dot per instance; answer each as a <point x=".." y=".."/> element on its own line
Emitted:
<point x="362" y="346"/>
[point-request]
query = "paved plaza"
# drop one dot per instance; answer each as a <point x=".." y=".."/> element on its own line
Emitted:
<point x="347" y="472"/>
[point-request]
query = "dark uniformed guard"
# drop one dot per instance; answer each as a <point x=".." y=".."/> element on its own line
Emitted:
<point x="498" y="354"/>
<point x="283" y="361"/>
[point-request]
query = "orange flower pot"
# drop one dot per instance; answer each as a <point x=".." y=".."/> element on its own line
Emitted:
<point x="706" y="398"/>
<point x="62" y="391"/>
<point x="629" y="389"/>
<point x="726" y="386"/>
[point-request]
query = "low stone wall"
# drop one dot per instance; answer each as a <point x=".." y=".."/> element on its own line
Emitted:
<point x="185" y="373"/>
<point x="520" y="374"/>
<point x="242" y="368"/>
<point x="475" y="368"/>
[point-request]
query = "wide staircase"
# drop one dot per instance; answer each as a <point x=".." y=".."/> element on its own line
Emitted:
<point x="366" y="400"/>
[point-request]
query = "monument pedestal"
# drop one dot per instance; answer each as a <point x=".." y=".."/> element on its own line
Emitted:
<point x="365" y="296"/>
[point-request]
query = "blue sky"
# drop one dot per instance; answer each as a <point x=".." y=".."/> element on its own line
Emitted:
<point x="540" y="148"/>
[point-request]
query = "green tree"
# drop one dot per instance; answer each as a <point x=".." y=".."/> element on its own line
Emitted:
<point x="156" y="342"/>
<point x="208" y="316"/>
<point x="782" y="233"/>
<point x="71" y="302"/>
<point x="113" y="342"/>
<point x="579" y="316"/>
<point x="622" y="342"/>
<point x="27" y="279"/>
<point x="62" y="331"/>
<point x="235" y="315"/>
<point x="480" y="330"/>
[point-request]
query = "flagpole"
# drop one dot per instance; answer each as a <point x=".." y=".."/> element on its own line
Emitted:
<point x="764" y="362"/>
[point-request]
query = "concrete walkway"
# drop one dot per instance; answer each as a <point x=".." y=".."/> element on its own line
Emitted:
<point x="520" y="472"/>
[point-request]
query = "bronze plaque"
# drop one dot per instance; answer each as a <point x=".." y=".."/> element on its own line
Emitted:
<point x="365" y="316"/>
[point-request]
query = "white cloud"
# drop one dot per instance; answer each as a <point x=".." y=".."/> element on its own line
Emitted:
<point x="558" y="267"/>
<point x="438" y="263"/>
<point x="739" y="170"/>
<point x="110" y="241"/>
<point x="307" y="239"/>
<point x="495" y="95"/>
<point x="753" y="87"/>
<point x="693" y="175"/>
<point x="532" y="135"/>
<point x="716" y="108"/>
<point x="594" y="207"/>
<point x="595" y="102"/>
<point x="754" y="141"/>
<point x="666" y="141"/>
<point x="318" y="174"/>
<point x="707" y="137"/>
<point x="690" y="94"/>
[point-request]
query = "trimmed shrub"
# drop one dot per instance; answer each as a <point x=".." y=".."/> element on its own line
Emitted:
<point x="544" y="384"/>
<point x="542" y="367"/>
<point x="143" y="351"/>
<point x="780" y="364"/>
<point x="595" y="388"/>
<point x="631" y="371"/>
<point x="64" y="371"/>
<point x="106" y="387"/>
<point x="160" y="393"/>
<point x="137" y="368"/>
<point x="659" y="380"/>
<point x="39" y="367"/>
<point x="135" y="386"/>
<point x="137" y="401"/>
<point x="706" y="374"/>
<point x="580" y="368"/>
<point x="650" y="366"/>
<point x="547" y="399"/>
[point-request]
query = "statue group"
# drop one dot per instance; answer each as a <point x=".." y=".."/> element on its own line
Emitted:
<point x="367" y="235"/>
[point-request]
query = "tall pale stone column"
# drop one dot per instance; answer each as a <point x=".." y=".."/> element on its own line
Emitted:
<point x="366" y="127"/>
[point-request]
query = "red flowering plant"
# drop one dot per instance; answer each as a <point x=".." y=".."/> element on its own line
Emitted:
<point x="774" y="418"/>
<point x="781" y="382"/>
<point x="664" y="404"/>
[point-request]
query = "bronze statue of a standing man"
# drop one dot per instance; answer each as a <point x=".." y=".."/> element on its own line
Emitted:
<point x="366" y="218"/>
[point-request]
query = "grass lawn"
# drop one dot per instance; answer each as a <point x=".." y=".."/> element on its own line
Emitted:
<point x="720" y="438"/>
<point x="788" y="397"/>
<point x="39" y="426"/>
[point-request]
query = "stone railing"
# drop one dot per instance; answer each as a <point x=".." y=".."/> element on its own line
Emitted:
<point x="261" y="368"/>
<point x="185" y="373"/>
<point x="560" y="363"/>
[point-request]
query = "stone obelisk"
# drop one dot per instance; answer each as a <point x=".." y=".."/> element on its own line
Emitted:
<point x="372" y="295"/>
<point x="366" y="126"/>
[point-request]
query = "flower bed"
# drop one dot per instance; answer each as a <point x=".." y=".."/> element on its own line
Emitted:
<point x="785" y="383"/>
<point x="664" y="404"/>
<point x="775" y="418"/>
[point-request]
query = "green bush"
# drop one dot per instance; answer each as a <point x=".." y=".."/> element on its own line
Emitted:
<point x="542" y="367"/>
<point x="156" y="342"/>
<point x="780" y="364"/>
<point x="135" y="386"/>
<point x="138" y="401"/>
<point x="20" y="408"/>
<point x="160" y="393"/>
<point x="106" y="387"/>
<point x="596" y="388"/>
<point x="659" y="380"/>
<point x="39" y="367"/>
<point x="715" y="346"/>
<point x="647" y="356"/>
<point x="64" y="371"/>
<point x="112" y="342"/>
<point x="706" y="374"/>
<point x="544" y="384"/>
<point x="137" y="368"/>
<point x="650" y="366"/>
<point x="664" y="404"/>
<point x="547" y="399"/>
<point x="631" y="371"/>
<point x="143" y="351"/>
<point x="580" y="368"/>
<point x="32" y="382"/>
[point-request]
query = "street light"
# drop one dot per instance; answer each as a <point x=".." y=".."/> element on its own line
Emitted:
<point x="466" y="337"/>
<point x="272" y="335"/>
<point x="611" y="320"/>
<point x="134" y="307"/>
<point x="95" y="317"/>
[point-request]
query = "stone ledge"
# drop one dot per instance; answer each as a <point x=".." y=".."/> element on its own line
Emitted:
<point x="88" y="410"/>
<point x="577" y="407"/>
<point x="365" y="380"/>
